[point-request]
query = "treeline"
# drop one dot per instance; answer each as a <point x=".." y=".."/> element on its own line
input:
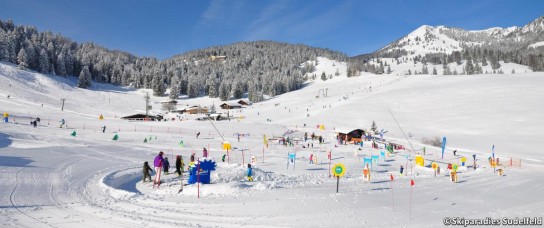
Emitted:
<point x="254" y="68"/>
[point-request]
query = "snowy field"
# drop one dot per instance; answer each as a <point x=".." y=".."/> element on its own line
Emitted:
<point x="50" y="178"/>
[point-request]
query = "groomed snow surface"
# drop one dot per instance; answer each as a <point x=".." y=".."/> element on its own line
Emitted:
<point x="53" y="179"/>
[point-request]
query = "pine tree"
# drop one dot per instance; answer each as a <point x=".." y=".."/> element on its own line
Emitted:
<point x="211" y="84"/>
<point x="61" y="64"/>
<point x="388" y="69"/>
<point x="424" y="70"/>
<point x="158" y="85"/>
<point x="374" y="127"/>
<point x="84" y="78"/>
<point x="323" y="76"/>
<point x="237" y="90"/>
<point x="174" y="88"/>
<point x="224" y="91"/>
<point x="22" y="58"/>
<point x="434" y="71"/>
<point x="44" y="62"/>
<point x="469" y="68"/>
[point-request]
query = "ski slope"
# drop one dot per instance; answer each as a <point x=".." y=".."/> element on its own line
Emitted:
<point x="53" y="179"/>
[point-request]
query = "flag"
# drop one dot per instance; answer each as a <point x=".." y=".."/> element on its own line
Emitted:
<point x="412" y="183"/>
<point x="443" y="146"/>
<point x="391" y="175"/>
<point x="493" y="152"/>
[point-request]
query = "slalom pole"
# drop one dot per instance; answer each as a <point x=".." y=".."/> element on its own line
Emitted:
<point x="198" y="181"/>
<point x="392" y="195"/>
<point x="411" y="186"/>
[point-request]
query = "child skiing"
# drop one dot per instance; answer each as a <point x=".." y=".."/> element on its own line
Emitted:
<point x="166" y="165"/>
<point x="249" y="173"/>
<point x="146" y="171"/>
<point x="62" y="122"/>
<point x="223" y="157"/>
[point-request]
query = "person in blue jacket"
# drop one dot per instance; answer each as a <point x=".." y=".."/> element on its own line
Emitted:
<point x="401" y="170"/>
<point x="249" y="173"/>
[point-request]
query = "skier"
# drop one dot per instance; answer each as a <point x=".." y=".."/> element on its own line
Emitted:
<point x="197" y="134"/>
<point x="223" y="157"/>
<point x="424" y="149"/>
<point x="311" y="158"/>
<point x="204" y="152"/>
<point x="62" y="122"/>
<point x="238" y="137"/>
<point x="179" y="165"/>
<point x="249" y="173"/>
<point x="401" y="170"/>
<point x="104" y="129"/>
<point x="454" y="152"/>
<point x="158" y="166"/>
<point x="166" y="165"/>
<point x="38" y="119"/>
<point x="146" y="171"/>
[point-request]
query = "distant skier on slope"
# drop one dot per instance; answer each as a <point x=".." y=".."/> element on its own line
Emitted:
<point x="401" y="170"/>
<point x="62" y="122"/>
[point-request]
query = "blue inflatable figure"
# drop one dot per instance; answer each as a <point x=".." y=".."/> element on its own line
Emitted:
<point x="206" y="165"/>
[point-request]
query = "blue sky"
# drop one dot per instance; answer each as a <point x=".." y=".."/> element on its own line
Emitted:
<point x="164" y="28"/>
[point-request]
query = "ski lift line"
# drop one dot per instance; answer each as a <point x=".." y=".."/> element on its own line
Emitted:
<point x="217" y="130"/>
<point x="407" y="139"/>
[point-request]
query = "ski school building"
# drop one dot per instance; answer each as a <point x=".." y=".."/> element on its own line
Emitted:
<point x="141" y="117"/>
<point x="352" y="136"/>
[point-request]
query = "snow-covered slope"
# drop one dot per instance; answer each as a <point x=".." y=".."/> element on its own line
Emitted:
<point x="53" y="179"/>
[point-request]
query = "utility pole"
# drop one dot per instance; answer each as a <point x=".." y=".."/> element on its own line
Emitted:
<point x="62" y="109"/>
<point x="146" y="97"/>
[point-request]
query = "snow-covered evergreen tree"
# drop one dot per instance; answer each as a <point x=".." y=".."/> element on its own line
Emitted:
<point x="84" y="78"/>
<point x="61" y="64"/>
<point x="174" y="88"/>
<point x="44" y="62"/>
<point x="22" y="58"/>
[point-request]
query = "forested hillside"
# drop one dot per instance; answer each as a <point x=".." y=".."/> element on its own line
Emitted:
<point x="257" y="68"/>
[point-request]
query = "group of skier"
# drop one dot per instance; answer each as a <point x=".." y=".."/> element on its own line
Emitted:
<point x="162" y="165"/>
